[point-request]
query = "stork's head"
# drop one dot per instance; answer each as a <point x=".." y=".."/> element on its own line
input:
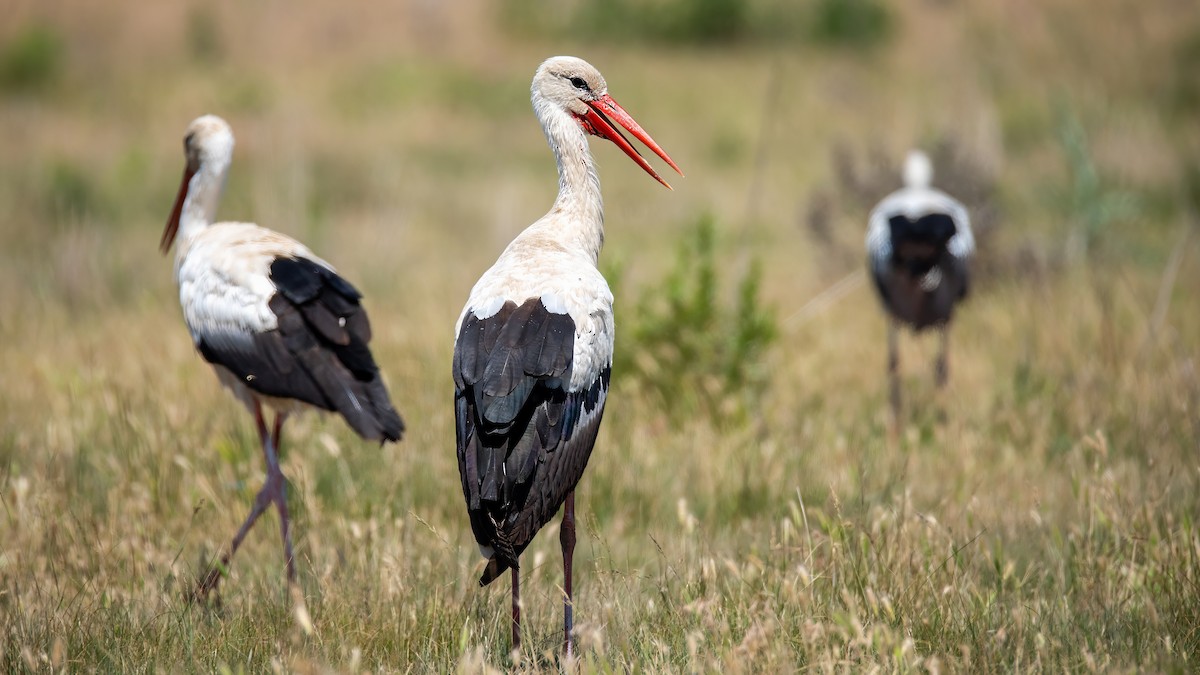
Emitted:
<point x="208" y="147"/>
<point x="918" y="170"/>
<point x="575" y="87"/>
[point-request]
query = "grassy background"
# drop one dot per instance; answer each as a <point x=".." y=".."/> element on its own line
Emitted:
<point x="1038" y="516"/>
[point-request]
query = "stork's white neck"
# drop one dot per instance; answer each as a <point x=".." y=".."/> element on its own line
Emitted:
<point x="203" y="195"/>
<point x="577" y="217"/>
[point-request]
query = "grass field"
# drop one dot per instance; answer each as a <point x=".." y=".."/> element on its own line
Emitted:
<point x="1038" y="515"/>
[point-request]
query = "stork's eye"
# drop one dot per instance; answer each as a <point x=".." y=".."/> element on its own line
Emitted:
<point x="579" y="83"/>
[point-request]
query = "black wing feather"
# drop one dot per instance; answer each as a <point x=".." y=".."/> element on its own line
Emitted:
<point x="318" y="352"/>
<point x="918" y="246"/>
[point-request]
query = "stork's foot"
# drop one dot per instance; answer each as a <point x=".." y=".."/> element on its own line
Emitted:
<point x="205" y="592"/>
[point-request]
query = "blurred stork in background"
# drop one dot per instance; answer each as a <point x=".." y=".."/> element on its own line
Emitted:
<point x="279" y="326"/>
<point x="919" y="248"/>
<point x="534" y="344"/>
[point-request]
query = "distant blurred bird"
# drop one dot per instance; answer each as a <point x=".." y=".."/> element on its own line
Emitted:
<point x="279" y="326"/>
<point x="534" y="343"/>
<point x="919" y="247"/>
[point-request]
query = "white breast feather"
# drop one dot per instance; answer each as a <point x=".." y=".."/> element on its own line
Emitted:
<point x="567" y="284"/>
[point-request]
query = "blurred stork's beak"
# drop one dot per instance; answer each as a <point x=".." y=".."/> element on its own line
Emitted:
<point x="597" y="118"/>
<point x="168" y="236"/>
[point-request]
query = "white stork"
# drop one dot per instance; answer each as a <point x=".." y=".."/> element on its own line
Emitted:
<point x="919" y="246"/>
<point x="534" y="343"/>
<point x="279" y="326"/>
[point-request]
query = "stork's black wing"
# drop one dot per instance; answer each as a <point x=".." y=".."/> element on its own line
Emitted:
<point x="524" y="436"/>
<point x="317" y="354"/>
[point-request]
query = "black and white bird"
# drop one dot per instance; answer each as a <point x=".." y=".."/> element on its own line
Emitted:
<point x="278" y="325"/>
<point x="534" y="344"/>
<point x="919" y="248"/>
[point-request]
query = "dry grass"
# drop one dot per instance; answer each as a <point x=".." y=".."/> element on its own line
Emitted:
<point x="1039" y="516"/>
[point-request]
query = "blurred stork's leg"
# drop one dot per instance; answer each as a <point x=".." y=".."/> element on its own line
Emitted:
<point x="278" y="431"/>
<point x="566" y="537"/>
<point x="942" y="367"/>
<point x="265" y="496"/>
<point x="894" y="368"/>
<point x="516" y="608"/>
<point x="279" y="493"/>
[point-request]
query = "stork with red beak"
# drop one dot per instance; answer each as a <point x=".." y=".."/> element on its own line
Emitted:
<point x="278" y="325"/>
<point x="534" y="345"/>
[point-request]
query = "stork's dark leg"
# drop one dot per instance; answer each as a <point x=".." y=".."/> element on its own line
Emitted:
<point x="894" y="368"/>
<point x="279" y="494"/>
<point x="942" y="367"/>
<point x="264" y="497"/>
<point x="272" y="491"/>
<point x="278" y="431"/>
<point x="516" y="608"/>
<point x="566" y="537"/>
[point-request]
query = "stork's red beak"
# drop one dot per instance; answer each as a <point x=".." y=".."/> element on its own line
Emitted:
<point x="172" y="228"/>
<point x="597" y="118"/>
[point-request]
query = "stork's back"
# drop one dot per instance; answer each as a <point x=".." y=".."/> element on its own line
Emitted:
<point x="919" y="243"/>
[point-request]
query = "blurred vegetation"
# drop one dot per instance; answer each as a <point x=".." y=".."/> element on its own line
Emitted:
<point x="698" y="346"/>
<point x="850" y="23"/>
<point x="31" y="59"/>
<point x="1091" y="203"/>
<point x="679" y="22"/>
<point x="831" y="23"/>
<point x="1183" y="89"/>
<point x="204" y="40"/>
<point x="69" y="192"/>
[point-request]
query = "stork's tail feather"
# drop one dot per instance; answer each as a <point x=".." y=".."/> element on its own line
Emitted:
<point x="391" y="425"/>
<point x="369" y="411"/>
<point x="504" y="556"/>
<point x="495" y="567"/>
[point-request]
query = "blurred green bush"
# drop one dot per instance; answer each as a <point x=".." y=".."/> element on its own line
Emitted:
<point x="1091" y="203"/>
<point x="857" y="23"/>
<point x="694" y="346"/>
<point x="853" y="23"/>
<point x="203" y="36"/>
<point x="31" y="60"/>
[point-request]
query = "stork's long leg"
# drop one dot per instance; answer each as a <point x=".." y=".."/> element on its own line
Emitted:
<point x="893" y="338"/>
<point x="942" y="367"/>
<point x="278" y="431"/>
<point x="264" y="497"/>
<point x="516" y="607"/>
<point x="566" y="537"/>
<point x="279" y="493"/>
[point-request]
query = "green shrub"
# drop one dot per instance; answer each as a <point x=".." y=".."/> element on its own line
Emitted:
<point x="203" y="35"/>
<point x="69" y="192"/>
<point x="682" y="21"/>
<point x="691" y="345"/>
<point x="706" y="21"/>
<point x="1092" y="203"/>
<point x="694" y="22"/>
<point x="1183" y="88"/>
<point x="853" y="23"/>
<point x="31" y="60"/>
